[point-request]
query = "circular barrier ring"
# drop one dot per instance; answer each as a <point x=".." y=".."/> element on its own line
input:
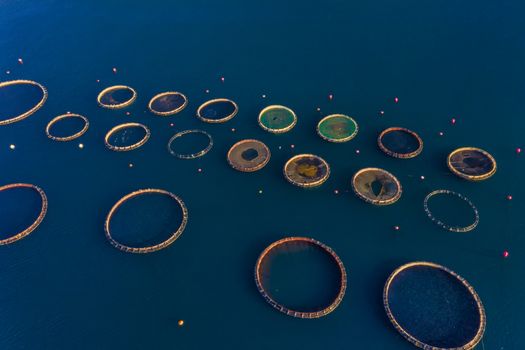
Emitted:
<point x="337" y="128"/>
<point x="441" y="223"/>
<point x="118" y="105"/>
<point x="38" y="220"/>
<point x="283" y="120"/>
<point x="221" y="120"/>
<point x="147" y="249"/>
<point x="390" y="186"/>
<point x="302" y="170"/>
<point x="486" y="164"/>
<point x="32" y="109"/>
<point x="70" y="137"/>
<point x="248" y="155"/>
<point x="410" y="153"/>
<point x="130" y="147"/>
<point x="190" y="155"/>
<point x="410" y="337"/>
<point x="300" y="314"/>
<point x="165" y="95"/>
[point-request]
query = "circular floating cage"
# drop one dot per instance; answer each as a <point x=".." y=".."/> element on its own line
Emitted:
<point x="26" y="231"/>
<point x="472" y="163"/>
<point x="452" y="211"/>
<point x="187" y="154"/>
<point x="126" y="127"/>
<point x="219" y="110"/>
<point x="400" y="143"/>
<point x="376" y="186"/>
<point x="116" y="97"/>
<point x="248" y="155"/>
<point x="168" y="103"/>
<point x="306" y="170"/>
<point x="16" y="93"/>
<point x="294" y="289"/>
<point x="151" y="248"/>
<point x="433" y="307"/>
<point x="337" y="128"/>
<point x="277" y="119"/>
<point x="67" y="117"/>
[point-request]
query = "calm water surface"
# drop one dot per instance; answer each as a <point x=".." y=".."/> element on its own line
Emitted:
<point x="66" y="287"/>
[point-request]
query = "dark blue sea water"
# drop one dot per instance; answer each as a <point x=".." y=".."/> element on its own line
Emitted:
<point x="66" y="287"/>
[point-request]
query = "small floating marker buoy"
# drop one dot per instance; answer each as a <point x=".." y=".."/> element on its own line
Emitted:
<point x="207" y="91"/>
<point x="509" y="197"/>
<point x="336" y="191"/>
<point x="518" y="150"/>
<point x="396" y="228"/>
<point x="280" y="147"/>
<point x="7" y="72"/>
<point x="20" y="61"/>
<point x="330" y="97"/>
<point x="396" y="100"/>
<point x="12" y="146"/>
<point x="318" y="109"/>
<point x="171" y="124"/>
<point x="357" y="151"/>
<point x="130" y="165"/>
<point x="453" y="121"/>
<point x="505" y="254"/>
<point x="80" y="145"/>
<point x="222" y="79"/>
<point x="233" y="129"/>
<point x="422" y="177"/>
<point x="441" y="133"/>
<point x="292" y="146"/>
<point x="180" y="323"/>
<point x="199" y="170"/>
<point x="260" y="191"/>
<point x="98" y="80"/>
<point x="263" y="96"/>
<point x="114" y="70"/>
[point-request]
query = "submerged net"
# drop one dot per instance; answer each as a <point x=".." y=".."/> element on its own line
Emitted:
<point x="400" y="142"/>
<point x="148" y="225"/>
<point x="376" y="186"/>
<point x="117" y="96"/>
<point x="127" y="137"/>
<point x="182" y="144"/>
<point x="433" y="307"/>
<point x="306" y="170"/>
<point x="451" y="211"/>
<point x="217" y="111"/>
<point x="60" y="128"/>
<point x="248" y="155"/>
<point x="277" y="119"/>
<point x="167" y="103"/>
<point x="301" y="277"/>
<point x="19" y="99"/>
<point x="337" y="128"/>
<point x="18" y="202"/>
<point x="472" y="163"/>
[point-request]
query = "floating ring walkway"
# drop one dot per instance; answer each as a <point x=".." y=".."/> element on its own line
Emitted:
<point x="38" y="220"/>
<point x="168" y="103"/>
<point x="282" y="308"/>
<point x="207" y="113"/>
<point x="400" y="142"/>
<point x="106" y="100"/>
<point x="66" y="116"/>
<point x="32" y="109"/>
<point x="472" y="163"/>
<point x="444" y="225"/>
<point x="190" y="155"/>
<point x="147" y="249"/>
<point x="465" y="338"/>
<point x="130" y="147"/>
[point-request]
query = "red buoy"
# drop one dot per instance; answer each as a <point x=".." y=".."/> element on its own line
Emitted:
<point x="505" y="254"/>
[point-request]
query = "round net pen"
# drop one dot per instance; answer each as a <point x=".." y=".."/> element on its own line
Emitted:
<point x="64" y="117"/>
<point x="337" y="128"/>
<point x="376" y="186"/>
<point x="248" y="155"/>
<point x="472" y="163"/>
<point x="400" y="143"/>
<point x="116" y="97"/>
<point x="277" y="119"/>
<point x="118" y="128"/>
<point x="10" y="96"/>
<point x="167" y="103"/>
<point x="306" y="170"/>
<point x="219" y="110"/>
